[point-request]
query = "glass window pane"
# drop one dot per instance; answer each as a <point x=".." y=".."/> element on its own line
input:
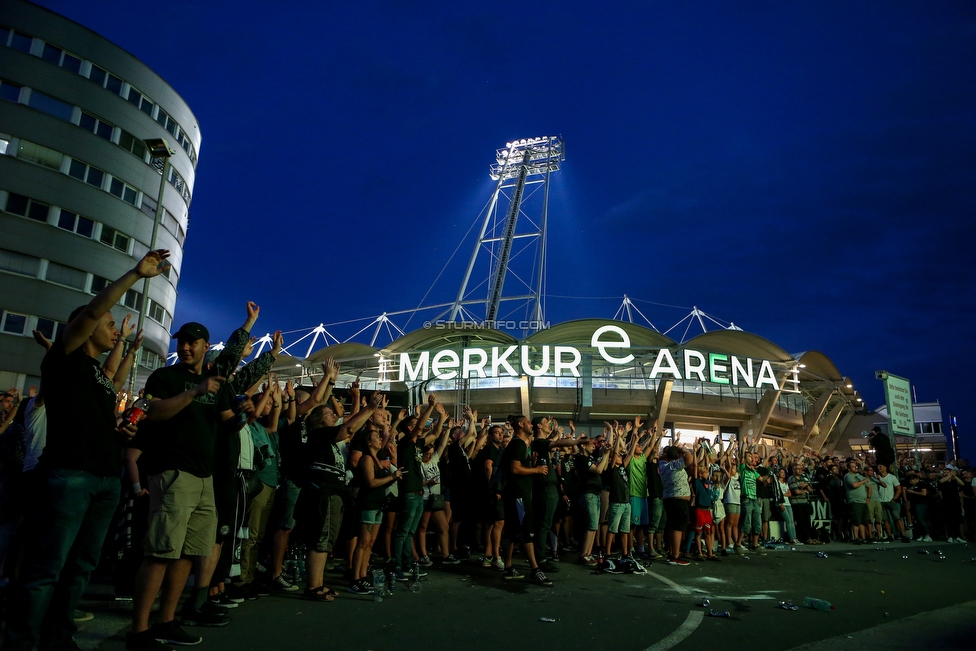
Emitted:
<point x="51" y="106"/>
<point x="51" y="54"/>
<point x="147" y="106"/>
<point x="129" y="195"/>
<point x="41" y="155"/>
<point x="116" y="187"/>
<point x="98" y="284"/>
<point x="69" y="276"/>
<point x="108" y="235"/>
<point x="77" y="170"/>
<point x="87" y="122"/>
<point x="134" y="97"/>
<point x="39" y="211"/>
<point x="95" y="177"/>
<point x="10" y="92"/>
<point x="85" y="227"/>
<point x="71" y="63"/>
<point x="97" y="75"/>
<point x="104" y="131"/>
<point x="122" y="242"/>
<point x="21" y="42"/>
<point x="114" y="84"/>
<point x="46" y="327"/>
<point x="17" y="204"/>
<point x="67" y="220"/>
<point x="171" y="126"/>
<point x="15" y="323"/>
<point x="19" y="263"/>
<point x="4" y="36"/>
<point x="161" y="117"/>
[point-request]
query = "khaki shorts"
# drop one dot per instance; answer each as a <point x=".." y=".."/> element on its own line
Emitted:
<point x="874" y="513"/>
<point x="182" y="516"/>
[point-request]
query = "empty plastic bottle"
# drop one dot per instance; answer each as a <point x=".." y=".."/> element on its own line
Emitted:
<point x="817" y="604"/>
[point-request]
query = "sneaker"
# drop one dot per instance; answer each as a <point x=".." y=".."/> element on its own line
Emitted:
<point x="587" y="560"/>
<point x="796" y="542"/>
<point x="547" y="566"/>
<point x="144" y="641"/>
<point x="281" y="584"/>
<point x="539" y="577"/>
<point x="512" y="573"/>
<point x="570" y="548"/>
<point x="741" y="549"/>
<point x="400" y="576"/>
<point x="212" y="616"/>
<point x="420" y="572"/>
<point x="450" y="560"/>
<point x="424" y="561"/>
<point x="678" y="561"/>
<point x="221" y="600"/>
<point x="261" y="589"/>
<point x="81" y="616"/>
<point x="240" y="593"/>
<point x="485" y="561"/>
<point x="171" y="633"/>
<point x="926" y="538"/>
<point x="713" y="558"/>
<point x="498" y="563"/>
<point x="357" y="587"/>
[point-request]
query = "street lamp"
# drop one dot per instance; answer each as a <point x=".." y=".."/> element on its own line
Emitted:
<point x="158" y="149"/>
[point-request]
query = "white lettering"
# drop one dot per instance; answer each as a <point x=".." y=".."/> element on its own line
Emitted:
<point x="497" y="361"/>
<point x="745" y="373"/>
<point x="443" y="362"/>
<point x="766" y="376"/>
<point x="478" y="367"/>
<point x="527" y="369"/>
<point x="665" y="364"/>
<point x="572" y="366"/>
<point x="603" y="345"/>
<point x="696" y="369"/>
<point x="422" y="368"/>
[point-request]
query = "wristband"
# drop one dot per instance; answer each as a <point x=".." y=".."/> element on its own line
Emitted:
<point x="136" y="487"/>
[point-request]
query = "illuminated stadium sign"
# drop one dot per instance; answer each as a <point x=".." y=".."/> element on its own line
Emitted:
<point x="564" y="361"/>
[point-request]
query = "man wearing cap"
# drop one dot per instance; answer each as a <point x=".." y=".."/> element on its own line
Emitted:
<point x="884" y="454"/>
<point x="179" y="441"/>
<point x="77" y="482"/>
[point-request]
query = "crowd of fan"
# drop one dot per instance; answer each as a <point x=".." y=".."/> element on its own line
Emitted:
<point x="250" y="486"/>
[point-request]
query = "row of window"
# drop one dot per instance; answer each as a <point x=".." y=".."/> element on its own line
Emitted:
<point x="61" y="58"/>
<point x="14" y="323"/>
<point x="55" y="160"/>
<point x="53" y="272"/>
<point x="96" y="125"/>
<point x="18" y="204"/>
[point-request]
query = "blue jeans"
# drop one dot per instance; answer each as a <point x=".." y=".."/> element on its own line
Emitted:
<point x="407" y="520"/>
<point x="66" y="529"/>
<point x="787" y="514"/>
<point x="751" y="516"/>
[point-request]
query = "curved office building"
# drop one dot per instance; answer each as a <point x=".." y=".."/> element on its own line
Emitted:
<point x="78" y="185"/>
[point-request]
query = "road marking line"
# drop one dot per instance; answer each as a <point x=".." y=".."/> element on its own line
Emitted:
<point x="694" y="618"/>
<point x="663" y="579"/>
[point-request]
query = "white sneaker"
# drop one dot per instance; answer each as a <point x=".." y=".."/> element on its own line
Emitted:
<point x="926" y="538"/>
<point x="498" y="563"/>
<point x="950" y="540"/>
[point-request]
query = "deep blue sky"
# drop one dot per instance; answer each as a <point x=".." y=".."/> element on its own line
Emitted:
<point x="805" y="170"/>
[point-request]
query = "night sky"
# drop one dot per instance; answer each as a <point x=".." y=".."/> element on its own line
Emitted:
<point x="805" y="170"/>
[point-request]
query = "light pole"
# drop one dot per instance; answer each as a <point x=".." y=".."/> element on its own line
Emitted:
<point x="158" y="148"/>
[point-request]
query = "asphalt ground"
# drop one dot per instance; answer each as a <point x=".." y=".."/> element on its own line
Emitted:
<point x="879" y="598"/>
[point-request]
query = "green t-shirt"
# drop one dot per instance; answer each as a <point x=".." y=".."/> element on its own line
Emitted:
<point x="638" y="476"/>
<point x="749" y="477"/>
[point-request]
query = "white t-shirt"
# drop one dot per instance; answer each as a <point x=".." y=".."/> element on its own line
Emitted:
<point x="784" y="489"/>
<point x="885" y="494"/>
<point x="35" y="422"/>
<point x="733" y="490"/>
<point x="430" y="471"/>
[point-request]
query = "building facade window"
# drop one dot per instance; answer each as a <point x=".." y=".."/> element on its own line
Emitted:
<point x="39" y="155"/>
<point x="51" y="106"/>
<point x="19" y="263"/>
<point x="115" y="239"/>
<point x="75" y="223"/>
<point x="102" y="129"/>
<point x="13" y="323"/>
<point x="49" y="327"/>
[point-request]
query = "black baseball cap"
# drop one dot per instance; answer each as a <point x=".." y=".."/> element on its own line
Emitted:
<point x="193" y="330"/>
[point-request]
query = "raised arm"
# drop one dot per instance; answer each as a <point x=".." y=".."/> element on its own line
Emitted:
<point x="323" y="390"/>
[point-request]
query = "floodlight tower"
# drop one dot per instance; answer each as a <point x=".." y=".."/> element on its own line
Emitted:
<point x="522" y="169"/>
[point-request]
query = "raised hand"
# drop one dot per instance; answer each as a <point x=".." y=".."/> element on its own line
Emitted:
<point x="152" y="264"/>
<point x="127" y="329"/>
<point x="277" y="342"/>
<point x="253" y="310"/>
<point x="210" y="385"/>
<point x="249" y="347"/>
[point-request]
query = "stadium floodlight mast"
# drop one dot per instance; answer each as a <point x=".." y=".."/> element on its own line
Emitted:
<point x="521" y="163"/>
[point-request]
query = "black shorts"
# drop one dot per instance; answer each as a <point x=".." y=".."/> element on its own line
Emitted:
<point x="493" y="509"/>
<point x="519" y="520"/>
<point x="678" y="513"/>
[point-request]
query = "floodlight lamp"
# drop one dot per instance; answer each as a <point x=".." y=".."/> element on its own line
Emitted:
<point x="850" y="386"/>
<point x="158" y="148"/>
<point x="508" y="145"/>
<point x="523" y="141"/>
<point x="802" y="366"/>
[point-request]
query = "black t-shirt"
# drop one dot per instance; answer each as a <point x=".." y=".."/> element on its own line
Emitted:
<point x="291" y="447"/>
<point x="409" y="456"/>
<point x="543" y="457"/>
<point x="517" y="485"/>
<point x="326" y="464"/>
<point x="480" y="477"/>
<point x="589" y="482"/>
<point x="460" y="477"/>
<point x="186" y="441"/>
<point x="763" y="490"/>
<point x="81" y="425"/>
<point x="618" y="482"/>
<point x="950" y="494"/>
<point x="655" y="485"/>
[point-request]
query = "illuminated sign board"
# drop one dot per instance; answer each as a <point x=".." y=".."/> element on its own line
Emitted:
<point x="613" y="345"/>
<point x="898" y="395"/>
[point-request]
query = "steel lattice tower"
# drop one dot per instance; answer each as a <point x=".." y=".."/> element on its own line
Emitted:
<point x="511" y="246"/>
